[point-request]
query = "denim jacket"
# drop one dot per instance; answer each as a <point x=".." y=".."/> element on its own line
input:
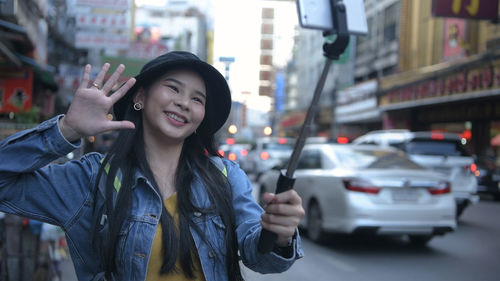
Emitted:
<point x="61" y="194"/>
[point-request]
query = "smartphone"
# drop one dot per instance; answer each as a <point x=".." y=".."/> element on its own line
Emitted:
<point x="317" y="14"/>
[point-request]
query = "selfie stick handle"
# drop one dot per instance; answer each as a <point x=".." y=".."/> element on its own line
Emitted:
<point x="332" y="51"/>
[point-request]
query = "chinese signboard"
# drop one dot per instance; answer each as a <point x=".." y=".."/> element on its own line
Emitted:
<point x="463" y="80"/>
<point x="88" y="39"/>
<point x="117" y="21"/>
<point x="471" y="9"/>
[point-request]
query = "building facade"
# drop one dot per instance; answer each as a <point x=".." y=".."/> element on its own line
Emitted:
<point x="449" y="74"/>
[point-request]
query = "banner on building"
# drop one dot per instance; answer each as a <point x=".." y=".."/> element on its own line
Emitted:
<point x="105" y="4"/>
<point x="16" y="90"/>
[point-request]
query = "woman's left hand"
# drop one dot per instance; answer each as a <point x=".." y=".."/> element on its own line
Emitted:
<point x="283" y="213"/>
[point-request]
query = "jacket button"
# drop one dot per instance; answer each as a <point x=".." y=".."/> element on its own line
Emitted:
<point x="211" y="254"/>
<point x="197" y="214"/>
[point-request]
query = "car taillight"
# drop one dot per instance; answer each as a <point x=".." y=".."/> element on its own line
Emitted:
<point x="244" y="152"/>
<point x="221" y="152"/>
<point x="232" y="156"/>
<point x="443" y="188"/>
<point x="471" y="168"/>
<point x="437" y="136"/>
<point x="264" y="155"/>
<point x="361" y="186"/>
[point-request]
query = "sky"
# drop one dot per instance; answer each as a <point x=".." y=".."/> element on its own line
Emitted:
<point x="236" y="25"/>
<point x="237" y="34"/>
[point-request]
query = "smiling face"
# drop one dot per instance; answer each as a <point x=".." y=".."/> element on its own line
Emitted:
<point x="174" y="105"/>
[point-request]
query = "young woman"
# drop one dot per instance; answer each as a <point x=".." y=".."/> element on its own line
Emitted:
<point x="160" y="205"/>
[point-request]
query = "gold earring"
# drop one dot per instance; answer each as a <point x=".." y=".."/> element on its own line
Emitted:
<point x="137" y="106"/>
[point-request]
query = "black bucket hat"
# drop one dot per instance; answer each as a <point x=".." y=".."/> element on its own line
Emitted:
<point x="218" y="103"/>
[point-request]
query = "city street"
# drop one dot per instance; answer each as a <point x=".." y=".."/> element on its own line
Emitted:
<point x="385" y="114"/>
<point x="470" y="253"/>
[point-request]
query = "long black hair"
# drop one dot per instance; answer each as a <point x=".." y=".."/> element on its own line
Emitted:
<point x="127" y="153"/>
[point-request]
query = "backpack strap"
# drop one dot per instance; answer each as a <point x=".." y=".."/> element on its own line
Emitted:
<point x="217" y="161"/>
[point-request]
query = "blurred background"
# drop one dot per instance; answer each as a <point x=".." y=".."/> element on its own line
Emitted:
<point x="429" y="66"/>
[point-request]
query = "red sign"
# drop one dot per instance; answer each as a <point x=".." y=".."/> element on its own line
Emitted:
<point x="16" y="90"/>
<point x="471" y="9"/>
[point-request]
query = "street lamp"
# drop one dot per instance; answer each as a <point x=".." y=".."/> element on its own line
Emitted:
<point x="268" y="131"/>
<point x="232" y="129"/>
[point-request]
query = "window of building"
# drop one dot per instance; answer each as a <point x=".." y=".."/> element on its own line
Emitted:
<point x="391" y="18"/>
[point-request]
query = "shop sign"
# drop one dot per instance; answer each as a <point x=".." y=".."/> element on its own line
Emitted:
<point x="470" y="9"/>
<point x="16" y="90"/>
<point x="293" y="120"/>
<point x="465" y="80"/>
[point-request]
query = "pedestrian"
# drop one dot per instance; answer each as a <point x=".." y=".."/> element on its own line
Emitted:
<point x="160" y="204"/>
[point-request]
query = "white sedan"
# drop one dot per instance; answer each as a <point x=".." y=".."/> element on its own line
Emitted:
<point x="368" y="189"/>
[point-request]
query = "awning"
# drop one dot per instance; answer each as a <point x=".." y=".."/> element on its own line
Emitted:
<point x="43" y="73"/>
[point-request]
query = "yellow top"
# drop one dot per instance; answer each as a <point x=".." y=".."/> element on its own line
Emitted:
<point x="156" y="259"/>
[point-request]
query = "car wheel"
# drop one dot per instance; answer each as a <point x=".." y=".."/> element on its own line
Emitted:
<point x="315" y="223"/>
<point x="496" y="197"/>
<point x="419" y="240"/>
<point x="460" y="209"/>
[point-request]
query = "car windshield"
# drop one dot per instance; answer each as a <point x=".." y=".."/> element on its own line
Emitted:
<point x="436" y="147"/>
<point x="277" y="146"/>
<point x="375" y="159"/>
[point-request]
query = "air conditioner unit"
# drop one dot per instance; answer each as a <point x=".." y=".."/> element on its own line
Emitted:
<point x="8" y="9"/>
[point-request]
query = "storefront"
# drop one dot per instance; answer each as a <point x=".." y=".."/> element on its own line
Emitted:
<point x="356" y="112"/>
<point x="463" y="97"/>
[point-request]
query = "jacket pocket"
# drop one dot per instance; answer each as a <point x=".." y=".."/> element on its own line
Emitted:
<point x="214" y="231"/>
<point x="122" y="243"/>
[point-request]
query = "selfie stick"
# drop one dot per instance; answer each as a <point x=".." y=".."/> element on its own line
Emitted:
<point x="331" y="51"/>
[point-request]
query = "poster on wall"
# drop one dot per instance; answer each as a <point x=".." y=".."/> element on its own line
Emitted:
<point x="16" y="90"/>
<point x="454" y="39"/>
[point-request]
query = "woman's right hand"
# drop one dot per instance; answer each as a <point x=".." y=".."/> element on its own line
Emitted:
<point x="88" y="113"/>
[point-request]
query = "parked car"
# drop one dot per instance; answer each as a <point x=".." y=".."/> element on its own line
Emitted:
<point x="488" y="176"/>
<point x="269" y="152"/>
<point x="238" y="153"/>
<point x="351" y="189"/>
<point x="441" y="152"/>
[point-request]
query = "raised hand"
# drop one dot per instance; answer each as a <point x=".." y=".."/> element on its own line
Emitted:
<point x="88" y="113"/>
<point x="283" y="214"/>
